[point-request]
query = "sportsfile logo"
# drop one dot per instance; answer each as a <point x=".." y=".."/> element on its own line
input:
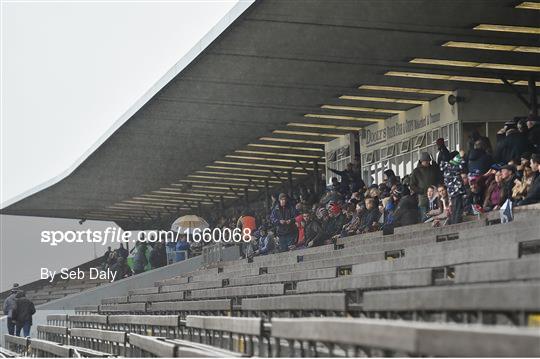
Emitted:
<point x="114" y="235"/>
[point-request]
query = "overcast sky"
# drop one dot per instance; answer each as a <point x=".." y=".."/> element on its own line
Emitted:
<point x="70" y="70"/>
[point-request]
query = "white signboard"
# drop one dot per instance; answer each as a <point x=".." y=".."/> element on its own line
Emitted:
<point x="410" y="123"/>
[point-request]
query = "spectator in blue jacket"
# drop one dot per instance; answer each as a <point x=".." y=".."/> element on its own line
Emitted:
<point x="283" y="218"/>
<point x="266" y="242"/>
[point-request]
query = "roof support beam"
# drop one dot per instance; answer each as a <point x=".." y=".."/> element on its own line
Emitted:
<point x="516" y="92"/>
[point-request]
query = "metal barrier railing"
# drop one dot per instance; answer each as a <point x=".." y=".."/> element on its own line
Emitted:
<point x="302" y="337"/>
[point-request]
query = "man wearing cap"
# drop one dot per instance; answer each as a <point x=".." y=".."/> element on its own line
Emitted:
<point x="9" y="305"/>
<point x="533" y="195"/>
<point x="424" y="175"/>
<point x="283" y="218"/>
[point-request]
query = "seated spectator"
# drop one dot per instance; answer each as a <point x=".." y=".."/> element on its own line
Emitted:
<point x="351" y="228"/>
<point x="121" y="269"/>
<point x="533" y="193"/>
<point x="476" y="197"/>
<point x="521" y="186"/>
<point x="314" y="233"/>
<point x="369" y="222"/>
<point x="356" y="197"/>
<point x="508" y="175"/>
<point x="434" y="204"/>
<point x="266" y="242"/>
<point x="407" y="212"/>
<point x="390" y="205"/>
<point x="493" y="193"/>
<point x="444" y="207"/>
<point x="336" y="220"/>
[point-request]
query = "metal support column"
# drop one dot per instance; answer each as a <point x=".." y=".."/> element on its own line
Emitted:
<point x="316" y="184"/>
<point x="266" y="198"/>
<point x="533" y="100"/>
<point x="289" y="176"/>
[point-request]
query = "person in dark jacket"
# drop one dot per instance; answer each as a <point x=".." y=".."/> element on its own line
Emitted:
<point x="510" y="143"/>
<point x="443" y="153"/>
<point x="121" y="269"/>
<point x="314" y="235"/>
<point x="9" y="305"/>
<point x="407" y="212"/>
<point x="424" y="175"/>
<point x="369" y="221"/>
<point x="283" y="218"/>
<point x="122" y="252"/>
<point x="533" y="195"/>
<point x="22" y="314"/>
<point x="390" y="178"/>
<point x="478" y="158"/>
<point x="266" y="242"/>
<point x="533" y="134"/>
<point x="106" y="255"/>
<point x="158" y="257"/>
<point x="508" y="173"/>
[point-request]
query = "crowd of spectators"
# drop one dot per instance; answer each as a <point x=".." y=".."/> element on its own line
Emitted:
<point x="146" y="256"/>
<point x="440" y="190"/>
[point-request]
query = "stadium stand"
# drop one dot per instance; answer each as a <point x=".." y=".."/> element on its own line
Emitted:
<point x="471" y="289"/>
